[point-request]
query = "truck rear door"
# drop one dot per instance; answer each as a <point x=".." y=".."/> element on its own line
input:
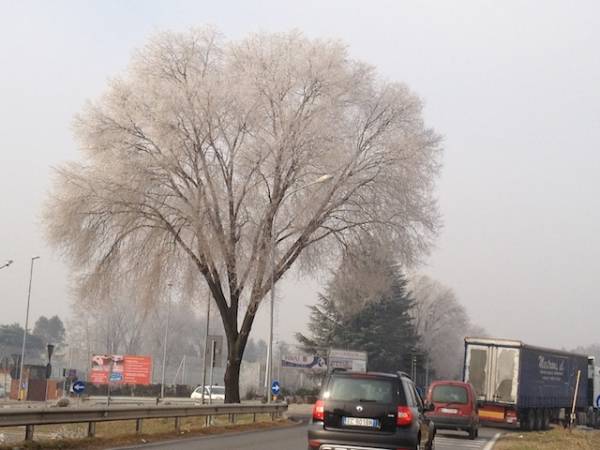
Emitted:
<point x="493" y="371"/>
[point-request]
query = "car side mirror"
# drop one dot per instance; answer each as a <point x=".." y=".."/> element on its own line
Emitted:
<point x="429" y="407"/>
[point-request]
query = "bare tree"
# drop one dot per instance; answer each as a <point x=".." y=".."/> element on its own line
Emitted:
<point x="442" y="323"/>
<point x="205" y="154"/>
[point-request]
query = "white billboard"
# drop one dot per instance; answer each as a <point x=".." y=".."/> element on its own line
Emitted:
<point x="347" y="359"/>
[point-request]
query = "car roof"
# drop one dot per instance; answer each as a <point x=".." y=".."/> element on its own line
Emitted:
<point x="354" y="373"/>
<point x="449" y="383"/>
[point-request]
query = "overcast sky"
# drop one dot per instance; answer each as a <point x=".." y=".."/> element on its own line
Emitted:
<point x="513" y="86"/>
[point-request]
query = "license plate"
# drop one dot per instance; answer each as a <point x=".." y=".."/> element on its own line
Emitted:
<point x="360" y="422"/>
<point x="449" y="410"/>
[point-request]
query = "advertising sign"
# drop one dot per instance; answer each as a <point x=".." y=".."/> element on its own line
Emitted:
<point x="128" y="369"/>
<point x="218" y="362"/>
<point x="349" y="360"/>
<point x="303" y="362"/>
<point x="137" y="369"/>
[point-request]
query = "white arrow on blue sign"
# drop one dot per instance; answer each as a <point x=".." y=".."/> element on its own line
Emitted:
<point x="78" y="387"/>
<point x="275" y="388"/>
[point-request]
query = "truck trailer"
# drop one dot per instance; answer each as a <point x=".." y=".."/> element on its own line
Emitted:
<point x="525" y="386"/>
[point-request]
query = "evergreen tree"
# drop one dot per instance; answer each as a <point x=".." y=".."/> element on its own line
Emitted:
<point x="360" y="314"/>
<point x="326" y="327"/>
<point x="384" y="328"/>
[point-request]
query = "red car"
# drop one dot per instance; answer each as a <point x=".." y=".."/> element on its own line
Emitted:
<point x="455" y="407"/>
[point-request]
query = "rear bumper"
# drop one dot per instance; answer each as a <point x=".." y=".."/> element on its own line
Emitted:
<point x="346" y="447"/>
<point x="321" y="439"/>
<point x="452" y="422"/>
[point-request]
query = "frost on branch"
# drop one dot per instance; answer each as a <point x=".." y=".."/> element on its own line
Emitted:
<point x="206" y="150"/>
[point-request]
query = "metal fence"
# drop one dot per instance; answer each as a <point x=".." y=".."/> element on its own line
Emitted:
<point x="29" y="418"/>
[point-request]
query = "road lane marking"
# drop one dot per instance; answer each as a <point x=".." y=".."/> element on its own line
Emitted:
<point x="491" y="444"/>
<point x="449" y="443"/>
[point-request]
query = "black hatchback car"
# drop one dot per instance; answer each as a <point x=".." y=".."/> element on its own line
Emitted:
<point x="369" y="411"/>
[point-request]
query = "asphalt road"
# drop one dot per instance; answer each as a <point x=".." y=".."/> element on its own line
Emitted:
<point x="454" y="440"/>
<point x="295" y="439"/>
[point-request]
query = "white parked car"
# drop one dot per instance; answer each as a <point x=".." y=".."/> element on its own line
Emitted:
<point x="218" y="393"/>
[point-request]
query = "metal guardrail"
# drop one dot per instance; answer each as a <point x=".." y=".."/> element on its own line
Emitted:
<point x="51" y="416"/>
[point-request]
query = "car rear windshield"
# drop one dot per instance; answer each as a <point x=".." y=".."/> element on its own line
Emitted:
<point x="450" y="394"/>
<point x="363" y="389"/>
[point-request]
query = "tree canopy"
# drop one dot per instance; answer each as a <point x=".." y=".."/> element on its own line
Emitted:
<point x="207" y="153"/>
<point x="50" y="330"/>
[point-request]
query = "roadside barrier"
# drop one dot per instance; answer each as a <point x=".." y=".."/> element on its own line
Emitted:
<point x="31" y="417"/>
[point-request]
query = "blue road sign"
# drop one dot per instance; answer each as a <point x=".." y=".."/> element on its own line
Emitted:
<point x="275" y="387"/>
<point x="116" y="376"/>
<point x="78" y="387"/>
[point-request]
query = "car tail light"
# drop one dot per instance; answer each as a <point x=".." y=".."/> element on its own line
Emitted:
<point x="319" y="411"/>
<point x="404" y="416"/>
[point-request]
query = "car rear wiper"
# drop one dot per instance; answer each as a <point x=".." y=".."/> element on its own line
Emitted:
<point x="366" y="400"/>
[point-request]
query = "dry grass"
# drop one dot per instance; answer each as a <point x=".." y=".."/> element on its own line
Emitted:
<point x="110" y="434"/>
<point x="556" y="439"/>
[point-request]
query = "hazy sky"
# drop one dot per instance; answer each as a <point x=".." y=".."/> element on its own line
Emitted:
<point x="513" y="86"/>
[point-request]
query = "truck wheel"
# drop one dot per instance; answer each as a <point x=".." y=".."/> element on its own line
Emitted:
<point x="539" y="419"/>
<point x="530" y="420"/>
<point x="546" y="420"/>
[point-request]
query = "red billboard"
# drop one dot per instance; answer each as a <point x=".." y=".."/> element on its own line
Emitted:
<point x="128" y="369"/>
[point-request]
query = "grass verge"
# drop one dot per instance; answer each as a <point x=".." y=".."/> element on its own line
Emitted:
<point x="555" y="439"/>
<point x="122" y="433"/>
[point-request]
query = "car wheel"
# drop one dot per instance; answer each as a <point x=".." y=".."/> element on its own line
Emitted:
<point x="473" y="433"/>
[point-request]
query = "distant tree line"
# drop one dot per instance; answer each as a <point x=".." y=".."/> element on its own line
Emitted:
<point x="45" y="331"/>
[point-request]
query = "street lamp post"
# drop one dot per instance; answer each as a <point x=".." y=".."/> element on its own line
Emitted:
<point x="319" y="180"/>
<point x="25" y="330"/>
<point x="164" y="361"/>
<point x="205" y="347"/>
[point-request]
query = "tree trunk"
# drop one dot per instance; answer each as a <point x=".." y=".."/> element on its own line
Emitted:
<point x="232" y="377"/>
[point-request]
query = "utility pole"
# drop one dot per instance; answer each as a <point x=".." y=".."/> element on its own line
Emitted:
<point x="205" y="347"/>
<point x="164" y="361"/>
<point x="269" y="368"/>
<point x="269" y="364"/>
<point x="25" y="330"/>
<point x="213" y="345"/>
